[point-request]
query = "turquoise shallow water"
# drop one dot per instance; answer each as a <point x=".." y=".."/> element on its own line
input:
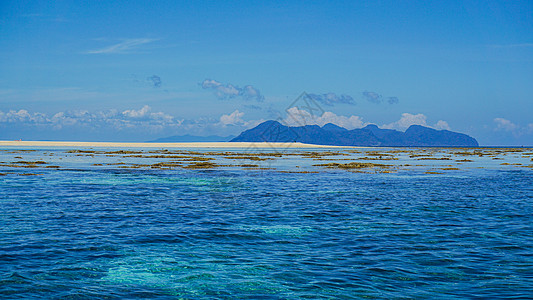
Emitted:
<point x="88" y="232"/>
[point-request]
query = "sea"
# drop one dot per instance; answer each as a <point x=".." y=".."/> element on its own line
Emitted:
<point x="407" y="223"/>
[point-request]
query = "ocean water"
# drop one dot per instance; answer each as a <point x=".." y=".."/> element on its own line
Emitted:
<point x="86" y="231"/>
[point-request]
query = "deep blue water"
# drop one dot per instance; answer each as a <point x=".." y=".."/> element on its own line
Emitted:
<point x="106" y="233"/>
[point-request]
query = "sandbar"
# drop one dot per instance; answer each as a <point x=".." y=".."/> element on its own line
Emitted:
<point x="164" y="145"/>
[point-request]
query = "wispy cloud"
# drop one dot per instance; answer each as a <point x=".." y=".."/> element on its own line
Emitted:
<point x="377" y="98"/>
<point x="504" y="124"/>
<point x="155" y="80"/>
<point x="393" y="100"/>
<point x="32" y="15"/>
<point x="230" y="91"/>
<point x="442" y="125"/>
<point x="331" y="99"/>
<point x="43" y="17"/>
<point x="372" y="97"/>
<point x="124" y="47"/>
<point x="517" y="130"/>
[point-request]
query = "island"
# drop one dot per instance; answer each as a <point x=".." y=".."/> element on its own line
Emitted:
<point x="371" y="136"/>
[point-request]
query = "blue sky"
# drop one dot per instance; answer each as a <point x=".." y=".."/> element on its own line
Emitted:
<point x="140" y="70"/>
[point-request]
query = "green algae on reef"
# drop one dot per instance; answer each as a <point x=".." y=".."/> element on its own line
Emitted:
<point x="248" y="166"/>
<point x="352" y="165"/>
<point x="39" y="162"/>
<point x="24" y="164"/>
<point x="256" y="158"/>
<point x="298" y="172"/>
<point x="201" y="165"/>
<point x="433" y="158"/>
<point x="166" y="164"/>
<point x="378" y="158"/>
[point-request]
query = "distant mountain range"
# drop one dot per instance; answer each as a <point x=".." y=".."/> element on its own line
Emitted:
<point x="371" y="135"/>
<point x="193" y="138"/>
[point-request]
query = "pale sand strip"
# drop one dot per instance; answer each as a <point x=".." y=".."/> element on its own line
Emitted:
<point x="162" y="145"/>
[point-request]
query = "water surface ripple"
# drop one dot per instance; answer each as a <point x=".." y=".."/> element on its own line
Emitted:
<point x="109" y="233"/>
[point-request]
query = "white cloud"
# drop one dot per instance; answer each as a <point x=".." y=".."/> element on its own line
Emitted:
<point x="350" y="122"/>
<point x="235" y="118"/>
<point x="143" y="121"/>
<point x="145" y="110"/>
<point x="60" y="119"/>
<point x="227" y="91"/>
<point x="516" y="130"/>
<point x="22" y="116"/>
<point x="301" y="117"/>
<point x="504" y="124"/>
<point x="248" y="92"/>
<point x="126" y="46"/>
<point x="407" y="120"/>
<point x="161" y="117"/>
<point x="210" y="84"/>
<point x="230" y="91"/>
<point x="142" y="118"/>
<point x="442" y="125"/>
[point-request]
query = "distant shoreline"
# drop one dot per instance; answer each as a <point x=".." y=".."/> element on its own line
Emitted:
<point x="164" y="145"/>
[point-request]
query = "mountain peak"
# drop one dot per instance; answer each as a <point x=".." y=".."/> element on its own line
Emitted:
<point x="333" y="127"/>
<point x="371" y="126"/>
<point x="419" y="128"/>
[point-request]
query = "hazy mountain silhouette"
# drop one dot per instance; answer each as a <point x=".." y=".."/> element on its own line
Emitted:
<point x="371" y="135"/>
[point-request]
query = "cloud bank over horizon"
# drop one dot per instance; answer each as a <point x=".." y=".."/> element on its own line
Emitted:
<point x="143" y="123"/>
<point x="130" y="124"/>
<point x="301" y="117"/>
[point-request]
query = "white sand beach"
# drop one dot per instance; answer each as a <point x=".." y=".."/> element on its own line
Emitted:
<point x="161" y="145"/>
